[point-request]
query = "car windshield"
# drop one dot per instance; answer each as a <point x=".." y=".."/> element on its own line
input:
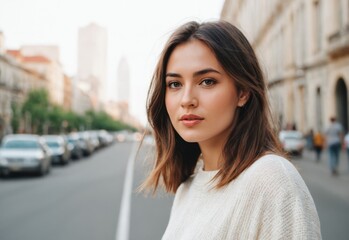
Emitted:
<point x="293" y="137"/>
<point x="52" y="144"/>
<point x="21" y="144"/>
<point x="70" y="140"/>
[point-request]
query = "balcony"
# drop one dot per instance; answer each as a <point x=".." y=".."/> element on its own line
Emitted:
<point x="339" y="43"/>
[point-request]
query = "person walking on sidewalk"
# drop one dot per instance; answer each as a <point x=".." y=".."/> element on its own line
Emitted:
<point x="334" y="139"/>
<point x="309" y="137"/>
<point x="346" y="142"/>
<point x="216" y="147"/>
<point x="318" y="142"/>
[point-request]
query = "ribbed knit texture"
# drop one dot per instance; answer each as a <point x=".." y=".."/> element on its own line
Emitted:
<point x="269" y="200"/>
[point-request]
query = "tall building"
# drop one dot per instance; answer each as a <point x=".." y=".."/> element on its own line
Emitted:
<point x="92" y="59"/>
<point x="123" y="81"/>
<point x="303" y="46"/>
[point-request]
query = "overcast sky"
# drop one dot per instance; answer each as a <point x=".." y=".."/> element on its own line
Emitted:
<point x="136" y="30"/>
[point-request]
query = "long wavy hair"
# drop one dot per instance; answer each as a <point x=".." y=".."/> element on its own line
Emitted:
<point x="252" y="134"/>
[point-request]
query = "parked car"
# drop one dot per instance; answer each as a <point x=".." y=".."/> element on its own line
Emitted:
<point x="105" y="138"/>
<point x="86" y="143"/>
<point x="292" y="141"/>
<point x="75" y="145"/>
<point x="96" y="144"/>
<point x="59" y="149"/>
<point x="24" y="153"/>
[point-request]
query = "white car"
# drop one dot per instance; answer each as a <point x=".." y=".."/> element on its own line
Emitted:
<point x="24" y="153"/>
<point x="292" y="141"/>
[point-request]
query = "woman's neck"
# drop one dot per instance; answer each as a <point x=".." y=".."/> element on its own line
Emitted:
<point x="212" y="155"/>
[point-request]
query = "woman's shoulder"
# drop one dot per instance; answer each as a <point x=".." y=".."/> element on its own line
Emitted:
<point x="272" y="163"/>
<point x="274" y="171"/>
<point x="275" y="184"/>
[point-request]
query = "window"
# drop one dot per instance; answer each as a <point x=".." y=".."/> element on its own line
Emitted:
<point x="317" y="25"/>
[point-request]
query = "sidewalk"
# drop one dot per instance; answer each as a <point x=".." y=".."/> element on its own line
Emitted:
<point x="319" y="173"/>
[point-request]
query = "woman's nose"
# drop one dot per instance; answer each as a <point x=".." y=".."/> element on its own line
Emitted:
<point x="189" y="98"/>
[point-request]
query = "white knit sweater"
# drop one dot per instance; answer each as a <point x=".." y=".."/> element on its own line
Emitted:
<point x="269" y="200"/>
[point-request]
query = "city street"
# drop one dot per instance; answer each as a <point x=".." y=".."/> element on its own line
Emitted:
<point x="83" y="200"/>
<point x="81" y="81"/>
<point x="330" y="193"/>
<point x="80" y="201"/>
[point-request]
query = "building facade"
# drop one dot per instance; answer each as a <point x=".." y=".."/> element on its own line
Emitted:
<point x="303" y="46"/>
<point x="45" y="61"/>
<point x="68" y="93"/>
<point x="81" y="99"/>
<point x="15" y="83"/>
<point x="120" y="111"/>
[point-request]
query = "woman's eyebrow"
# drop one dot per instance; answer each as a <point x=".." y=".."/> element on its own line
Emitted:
<point x="204" y="71"/>
<point x="173" y="75"/>
<point x="198" y="73"/>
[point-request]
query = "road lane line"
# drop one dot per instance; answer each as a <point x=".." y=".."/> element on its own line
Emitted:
<point x="123" y="228"/>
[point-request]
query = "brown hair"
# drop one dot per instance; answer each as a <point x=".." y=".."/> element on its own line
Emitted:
<point x="251" y="134"/>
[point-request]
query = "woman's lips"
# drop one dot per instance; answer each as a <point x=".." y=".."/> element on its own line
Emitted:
<point x="190" y="120"/>
<point x="190" y="123"/>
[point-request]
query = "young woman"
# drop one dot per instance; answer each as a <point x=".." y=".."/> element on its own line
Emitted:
<point x="216" y="146"/>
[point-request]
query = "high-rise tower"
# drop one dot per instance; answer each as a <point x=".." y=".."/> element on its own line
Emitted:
<point x="123" y="81"/>
<point x="92" y="60"/>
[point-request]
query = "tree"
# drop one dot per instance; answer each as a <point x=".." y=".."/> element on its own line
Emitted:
<point x="56" y="117"/>
<point x="101" y="120"/>
<point x="75" y="121"/>
<point x="16" y="116"/>
<point x="38" y="105"/>
<point x="47" y="118"/>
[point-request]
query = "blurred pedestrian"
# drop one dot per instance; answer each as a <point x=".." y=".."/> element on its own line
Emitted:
<point x="334" y="139"/>
<point x="216" y="146"/>
<point x="309" y="139"/>
<point x="318" y="141"/>
<point x="346" y="143"/>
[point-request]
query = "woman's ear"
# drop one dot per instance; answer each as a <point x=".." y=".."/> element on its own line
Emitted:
<point x="243" y="98"/>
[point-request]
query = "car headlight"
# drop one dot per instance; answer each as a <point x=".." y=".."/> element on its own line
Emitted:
<point x="3" y="162"/>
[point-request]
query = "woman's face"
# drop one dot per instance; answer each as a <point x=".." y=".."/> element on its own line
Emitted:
<point x="201" y="98"/>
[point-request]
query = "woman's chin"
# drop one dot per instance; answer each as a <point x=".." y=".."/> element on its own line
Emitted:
<point x="190" y="139"/>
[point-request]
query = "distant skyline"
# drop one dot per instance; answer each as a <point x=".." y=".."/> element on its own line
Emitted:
<point x="122" y="83"/>
<point x="136" y="31"/>
<point x="92" y="59"/>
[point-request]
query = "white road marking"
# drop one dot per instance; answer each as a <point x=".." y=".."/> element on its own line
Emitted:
<point x="123" y="228"/>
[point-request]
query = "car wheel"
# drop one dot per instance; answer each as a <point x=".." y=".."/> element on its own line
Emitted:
<point x="5" y="173"/>
<point x="64" y="161"/>
<point x="80" y="154"/>
<point x="48" y="168"/>
<point x="41" y="170"/>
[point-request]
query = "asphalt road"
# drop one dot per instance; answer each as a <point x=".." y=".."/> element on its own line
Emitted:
<point x="78" y="201"/>
<point x="149" y="213"/>
<point x="330" y="193"/>
<point x="83" y="199"/>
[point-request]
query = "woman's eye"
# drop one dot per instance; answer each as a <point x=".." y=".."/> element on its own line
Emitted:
<point x="174" y="85"/>
<point x="208" y="82"/>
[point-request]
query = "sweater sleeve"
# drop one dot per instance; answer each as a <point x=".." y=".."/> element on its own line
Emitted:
<point x="289" y="211"/>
